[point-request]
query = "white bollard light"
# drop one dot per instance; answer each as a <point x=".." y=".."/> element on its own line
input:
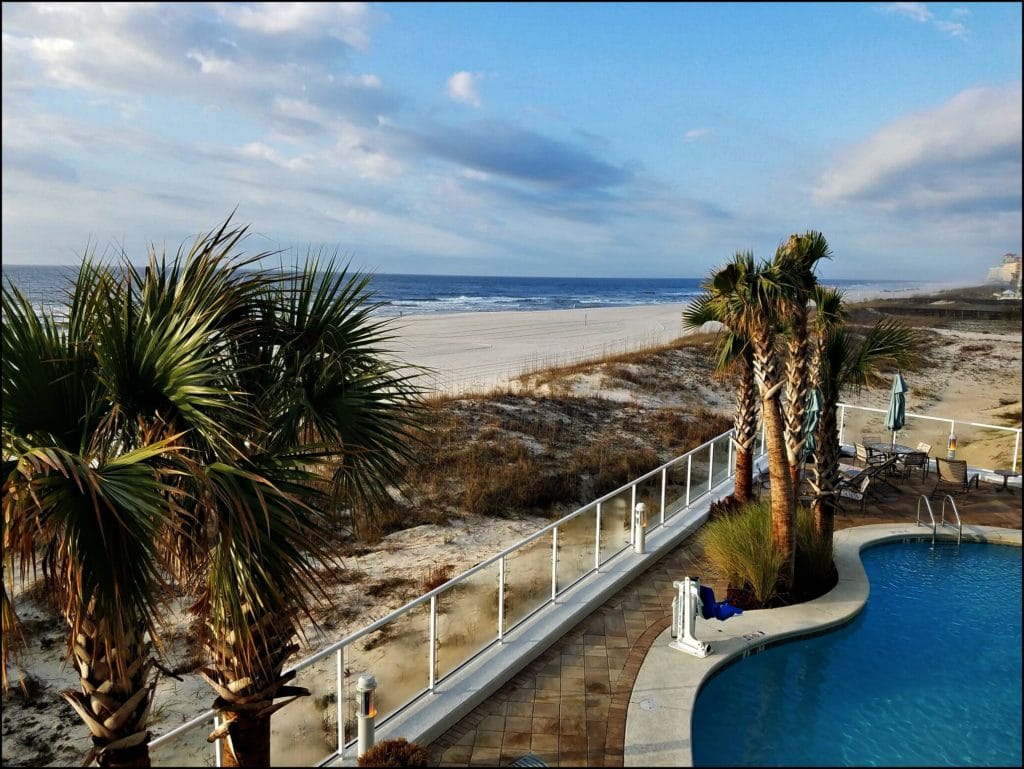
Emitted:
<point x="367" y="711"/>
<point x="640" y="528"/>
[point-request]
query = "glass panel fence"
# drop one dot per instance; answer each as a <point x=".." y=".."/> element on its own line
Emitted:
<point x="859" y="424"/>
<point x="305" y="731"/>
<point x="649" y="492"/>
<point x="467" y="619"/>
<point x="982" y="447"/>
<point x="928" y="431"/>
<point x="527" y="579"/>
<point x="720" y="467"/>
<point x="397" y="655"/>
<point x="699" y="473"/>
<point x="189" y="748"/>
<point x="675" y="487"/>
<point x="615" y="523"/>
<point x="576" y="542"/>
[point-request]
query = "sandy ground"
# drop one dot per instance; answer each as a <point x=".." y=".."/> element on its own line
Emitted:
<point x="975" y="373"/>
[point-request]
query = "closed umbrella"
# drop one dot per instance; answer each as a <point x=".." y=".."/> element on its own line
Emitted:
<point x="896" y="416"/>
<point x="812" y="413"/>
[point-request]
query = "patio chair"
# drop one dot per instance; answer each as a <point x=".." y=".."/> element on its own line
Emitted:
<point x="927" y="449"/>
<point x="915" y="460"/>
<point x="952" y="475"/>
<point x="868" y="457"/>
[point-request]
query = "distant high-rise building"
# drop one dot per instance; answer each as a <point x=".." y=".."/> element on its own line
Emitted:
<point x="1009" y="272"/>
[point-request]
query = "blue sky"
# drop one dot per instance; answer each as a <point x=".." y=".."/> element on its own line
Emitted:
<point x="519" y="139"/>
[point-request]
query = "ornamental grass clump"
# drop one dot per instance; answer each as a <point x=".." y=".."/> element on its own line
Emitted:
<point x="739" y="547"/>
<point x="396" y="752"/>
<point x="814" y="570"/>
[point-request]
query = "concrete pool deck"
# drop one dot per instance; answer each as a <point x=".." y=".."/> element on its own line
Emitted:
<point x="660" y="709"/>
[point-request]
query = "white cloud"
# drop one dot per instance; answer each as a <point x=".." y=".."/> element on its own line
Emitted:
<point x="962" y="155"/>
<point x="464" y="87"/>
<point x="921" y="13"/>
<point x="915" y="11"/>
<point x="694" y="134"/>
<point x="348" y="22"/>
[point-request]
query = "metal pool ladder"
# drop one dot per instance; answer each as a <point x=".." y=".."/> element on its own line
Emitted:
<point x="928" y="506"/>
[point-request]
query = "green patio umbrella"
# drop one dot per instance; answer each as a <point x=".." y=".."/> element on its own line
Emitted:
<point x="812" y="413"/>
<point x="896" y="416"/>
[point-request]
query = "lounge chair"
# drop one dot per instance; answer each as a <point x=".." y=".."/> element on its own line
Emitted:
<point x="854" y="487"/>
<point x="870" y="438"/>
<point x="952" y="475"/>
<point x="881" y="470"/>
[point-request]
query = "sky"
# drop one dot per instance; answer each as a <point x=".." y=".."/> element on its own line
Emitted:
<point x="649" y="140"/>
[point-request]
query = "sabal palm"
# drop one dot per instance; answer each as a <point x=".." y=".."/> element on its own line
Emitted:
<point x="337" y="424"/>
<point x="843" y="359"/>
<point x="735" y="355"/>
<point x="253" y="383"/>
<point x="87" y="502"/>
<point x="751" y="299"/>
<point x="797" y="259"/>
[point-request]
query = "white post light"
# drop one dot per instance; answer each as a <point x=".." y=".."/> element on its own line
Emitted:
<point x="640" y="527"/>
<point x="685" y="606"/>
<point x="367" y="711"/>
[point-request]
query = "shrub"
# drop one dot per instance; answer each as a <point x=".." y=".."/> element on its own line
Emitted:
<point x="396" y="752"/>
<point x="739" y="547"/>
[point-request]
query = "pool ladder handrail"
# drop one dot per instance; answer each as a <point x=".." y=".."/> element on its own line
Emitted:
<point x="959" y="524"/>
<point x="931" y="516"/>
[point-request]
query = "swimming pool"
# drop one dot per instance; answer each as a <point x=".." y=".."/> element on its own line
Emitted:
<point x="929" y="674"/>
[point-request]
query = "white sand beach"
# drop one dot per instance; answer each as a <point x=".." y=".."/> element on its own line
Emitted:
<point x="483" y="350"/>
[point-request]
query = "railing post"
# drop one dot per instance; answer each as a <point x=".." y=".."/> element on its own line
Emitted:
<point x="432" y="655"/>
<point x="339" y="698"/>
<point x="554" y="563"/>
<point x="218" y="750"/>
<point x="597" y="540"/>
<point x="842" y="422"/>
<point x="689" y="467"/>
<point x="1016" y="448"/>
<point x="729" y="472"/>
<point x="711" y="465"/>
<point x="632" y="518"/>
<point x="501" y="599"/>
<point x="664" y="485"/>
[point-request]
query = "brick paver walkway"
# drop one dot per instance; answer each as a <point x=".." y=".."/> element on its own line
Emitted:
<point x="568" y="707"/>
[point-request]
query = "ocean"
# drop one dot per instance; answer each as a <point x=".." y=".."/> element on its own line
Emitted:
<point x="47" y="287"/>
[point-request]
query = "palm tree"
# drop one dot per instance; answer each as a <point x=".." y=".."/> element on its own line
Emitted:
<point x="735" y="355"/>
<point x="337" y="424"/>
<point x="258" y="407"/>
<point x="842" y="359"/>
<point x="797" y="259"/>
<point x="751" y="300"/>
<point x="88" y="505"/>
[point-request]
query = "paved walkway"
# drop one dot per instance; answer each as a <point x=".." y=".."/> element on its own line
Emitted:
<point x="568" y="707"/>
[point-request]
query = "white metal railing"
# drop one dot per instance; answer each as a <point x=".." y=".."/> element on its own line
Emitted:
<point x="667" y="490"/>
<point x="1015" y="431"/>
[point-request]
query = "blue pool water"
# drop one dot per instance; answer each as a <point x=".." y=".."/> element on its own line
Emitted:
<point x="929" y="674"/>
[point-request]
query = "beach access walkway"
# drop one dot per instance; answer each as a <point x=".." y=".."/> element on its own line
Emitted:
<point x="568" y="707"/>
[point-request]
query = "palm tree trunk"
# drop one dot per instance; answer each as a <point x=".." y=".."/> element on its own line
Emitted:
<point x="745" y="432"/>
<point x="247" y="686"/>
<point x="783" y="500"/>
<point x="827" y="471"/>
<point x="796" y="393"/>
<point x="116" y="694"/>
